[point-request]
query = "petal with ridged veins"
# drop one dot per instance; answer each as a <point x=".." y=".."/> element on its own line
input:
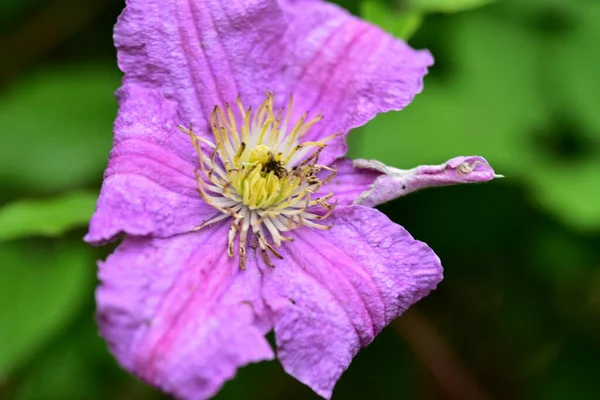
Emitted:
<point x="335" y="290"/>
<point x="179" y="314"/>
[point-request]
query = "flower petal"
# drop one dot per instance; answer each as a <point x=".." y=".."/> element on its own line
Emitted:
<point x="395" y="182"/>
<point x="202" y="53"/>
<point x="178" y="313"/>
<point x="347" y="69"/>
<point x="149" y="185"/>
<point x="337" y="289"/>
<point x="349" y="182"/>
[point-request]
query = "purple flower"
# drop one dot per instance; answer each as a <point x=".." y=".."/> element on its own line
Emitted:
<point x="239" y="215"/>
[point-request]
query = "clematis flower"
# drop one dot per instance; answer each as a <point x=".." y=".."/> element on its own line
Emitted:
<point x="240" y="215"/>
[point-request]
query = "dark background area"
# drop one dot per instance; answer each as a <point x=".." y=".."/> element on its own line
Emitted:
<point x="518" y="314"/>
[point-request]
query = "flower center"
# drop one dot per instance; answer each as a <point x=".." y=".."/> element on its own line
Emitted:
<point x="263" y="181"/>
<point x="259" y="173"/>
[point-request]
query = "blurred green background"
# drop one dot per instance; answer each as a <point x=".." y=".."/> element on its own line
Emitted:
<point x="518" y="314"/>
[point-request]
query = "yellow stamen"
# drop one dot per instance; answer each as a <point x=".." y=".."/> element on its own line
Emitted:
<point x="268" y="179"/>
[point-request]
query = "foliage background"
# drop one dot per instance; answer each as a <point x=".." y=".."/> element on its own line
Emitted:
<point x="518" y="314"/>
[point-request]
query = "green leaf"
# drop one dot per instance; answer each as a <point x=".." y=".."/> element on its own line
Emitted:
<point x="569" y="191"/>
<point x="568" y="187"/>
<point x="42" y="286"/>
<point x="46" y="217"/>
<point x="402" y="24"/>
<point x="57" y="126"/>
<point x="447" y="6"/>
<point x="576" y="64"/>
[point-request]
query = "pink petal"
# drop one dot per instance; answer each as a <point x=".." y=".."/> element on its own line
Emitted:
<point x="179" y="314"/>
<point x="395" y="182"/>
<point x="347" y="69"/>
<point x="335" y="290"/>
<point x="202" y="53"/>
<point x="149" y="185"/>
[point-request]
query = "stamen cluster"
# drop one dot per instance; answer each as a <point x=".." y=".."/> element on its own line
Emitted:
<point x="259" y="173"/>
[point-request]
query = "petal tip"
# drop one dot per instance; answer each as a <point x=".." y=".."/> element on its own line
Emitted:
<point x="396" y="182"/>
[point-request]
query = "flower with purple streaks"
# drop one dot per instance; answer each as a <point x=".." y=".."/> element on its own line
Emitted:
<point x="239" y="213"/>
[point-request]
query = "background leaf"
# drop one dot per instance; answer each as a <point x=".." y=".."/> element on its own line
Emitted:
<point x="60" y="121"/>
<point x="42" y="286"/>
<point x="46" y="217"/>
<point x="449" y="6"/>
<point x="400" y="23"/>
